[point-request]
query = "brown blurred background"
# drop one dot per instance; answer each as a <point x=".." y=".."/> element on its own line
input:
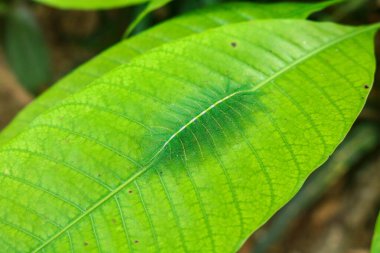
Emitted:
<point x="336" y="209"/>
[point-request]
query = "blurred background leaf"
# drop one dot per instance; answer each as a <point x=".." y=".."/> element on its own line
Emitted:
<point x="3" y="8"/>
<point x="152" y="5"/>
<point x="90" y="4"/>
<point x="25" y="49"/>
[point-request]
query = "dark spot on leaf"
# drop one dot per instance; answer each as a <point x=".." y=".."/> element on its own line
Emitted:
<point x="233" y="44"/>
<point x="130" y="191"/>
<point x="99" y="175"/>
<point x="136" y="241"/>
<point x="366" y="86"/>
<point x="113" y="221"/>
<point x="85" y="243"/>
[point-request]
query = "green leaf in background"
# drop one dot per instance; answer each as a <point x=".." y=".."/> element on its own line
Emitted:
<point x="153" y="5"/>
<point x="191" y="146"/>
<point x="375" y="248"/>
<point x="90" y="4"/>
<point x="122" y="53"/>
<point x="26" y="50"/>
<point x="3" y="8"/>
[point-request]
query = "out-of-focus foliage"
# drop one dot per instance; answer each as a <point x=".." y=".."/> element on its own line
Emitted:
<point x="90" y="4"/>
<point x="26" y="49"/>
<point x="153" y="5"/>
<point x="3" y="8"/>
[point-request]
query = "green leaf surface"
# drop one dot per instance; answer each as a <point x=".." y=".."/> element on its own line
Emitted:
<point x="197" y="22"/>
<point x="191" y="146"/>
<point x="26" y="50"/>
<point x="90" y="4"/>
<point x="375" y="248"/>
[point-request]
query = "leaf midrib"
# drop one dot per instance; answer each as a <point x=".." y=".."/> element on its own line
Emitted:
<point x="190" y="122"/>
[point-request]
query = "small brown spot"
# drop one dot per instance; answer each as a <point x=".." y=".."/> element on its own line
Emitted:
<point x="85" y="243"/>
<point x="366" y="86"/>
<point x="130" y="191"/>
<point x="233" y="44"/>
<point x="136" y="241"/>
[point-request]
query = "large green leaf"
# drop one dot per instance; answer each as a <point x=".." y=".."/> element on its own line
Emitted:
<point x="122" y="53"/>
<point x="90" y="4"/>
<point x="375" y="248"/>
<point x="191" y="146"/>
